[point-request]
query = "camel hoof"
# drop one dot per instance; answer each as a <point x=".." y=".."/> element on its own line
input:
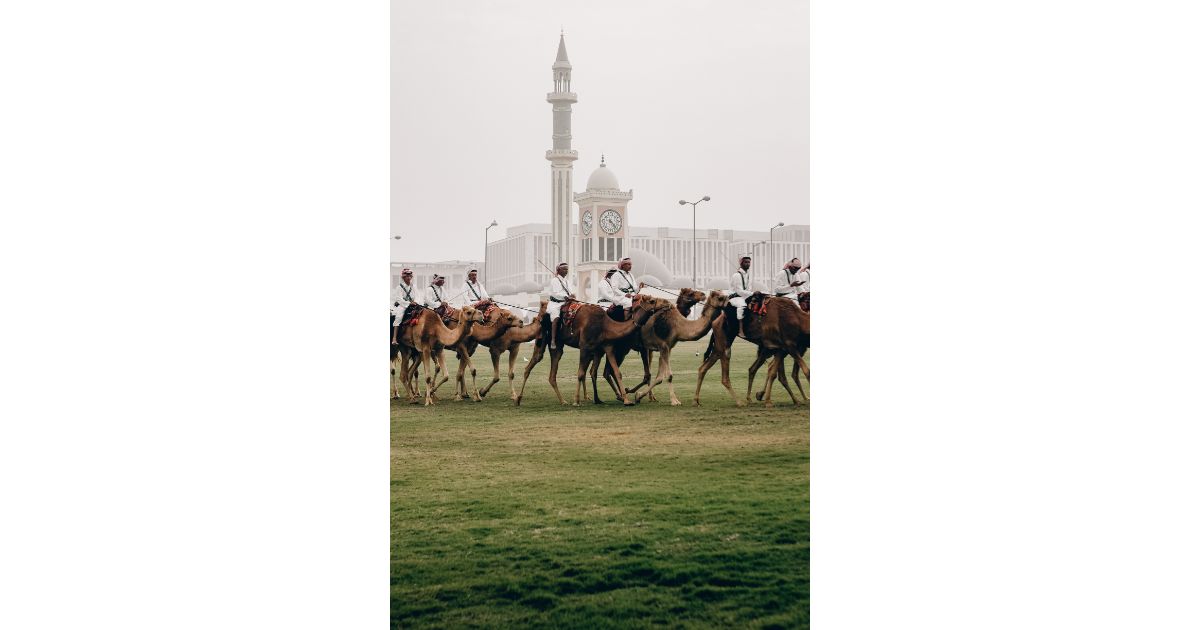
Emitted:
<point x="675" y="403"/>
<point x="574" y="404"/>
<point x="696" y="402"/>
<point x="759" y="396"/>
<point x="769" y="405"/>
<point x="630" y="403"/>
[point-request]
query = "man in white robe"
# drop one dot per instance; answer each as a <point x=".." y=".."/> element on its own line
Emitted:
<point x="473" y="291"/>
<point x="560" y="290"/>
<point x="739" y="290"/>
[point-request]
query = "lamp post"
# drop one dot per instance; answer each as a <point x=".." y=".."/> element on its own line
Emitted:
<point x="485" y="242"/>
<point x="771" y="250"/>
<point x="683" y="203"/>
<point x="754" y="255"/>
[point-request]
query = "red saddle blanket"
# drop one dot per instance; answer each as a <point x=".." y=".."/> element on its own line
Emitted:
<point x="411" y="316"/>
<point x="757" y="303"/>
<point x="569" y="311"/>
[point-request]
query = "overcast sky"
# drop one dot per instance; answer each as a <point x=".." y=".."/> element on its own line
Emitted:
<point x="684" y="99"/>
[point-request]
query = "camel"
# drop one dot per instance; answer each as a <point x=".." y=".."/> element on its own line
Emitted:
<point x="424" y="337"/>
<point x="670" y="327"/>
<point x="510" y="342"/>
<point x="495" y="324"/>
<point x="498" y="325"/>
<point x="784" y="335"/>
<point x="785" y="332"/>
<point x="683" y="305"/>
<point x="592" y="331"/>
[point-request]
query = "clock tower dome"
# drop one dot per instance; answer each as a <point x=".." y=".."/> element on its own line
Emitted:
<point x="603" y="229"/>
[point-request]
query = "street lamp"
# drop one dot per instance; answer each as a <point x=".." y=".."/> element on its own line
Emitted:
<point x="772" y="232"/>
<point x="485" y="242"/>
<point x="684" y="203"/>
<point x="754" y="255"/>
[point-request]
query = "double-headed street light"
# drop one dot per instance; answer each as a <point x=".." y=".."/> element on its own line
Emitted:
<point x="485" y="242"/>
<point x="683" y="203"/>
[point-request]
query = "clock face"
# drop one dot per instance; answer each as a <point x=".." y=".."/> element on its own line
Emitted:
<point x="610" y="221"/>
<point x="587" y="222"/>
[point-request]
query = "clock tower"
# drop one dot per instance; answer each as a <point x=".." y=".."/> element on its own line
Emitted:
<point x="603" y="229"/>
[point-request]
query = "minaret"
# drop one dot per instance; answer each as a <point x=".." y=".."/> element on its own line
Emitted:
<point x="561" y="156"/>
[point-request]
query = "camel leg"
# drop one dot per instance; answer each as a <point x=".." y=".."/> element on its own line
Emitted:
<point x="538" y="351"/>
<point x="612" y="360"/>
<point x="780" y="373"/>
<point x="460" y="381"/>
<point x="772" y="371"/>
<point x="441" y="369"/>
<point x="427" y="360"/>
<point x="666" y="359"/>
<point x="799" y="360"/>
<point x="495" y="357"/>
<point x="762" y="357"/>
<point x="512" y="365"/>
<point x="474" y="393"/>
<point x="594" y="368"/>
<point x="646" y="355"/>
<point x="608" y="377"/>
<point x="658" y="378"/>
<point x="581" y="374"/>
<point x="555" y="357"/>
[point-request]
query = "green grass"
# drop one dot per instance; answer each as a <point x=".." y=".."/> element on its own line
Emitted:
<point x="601" y="516"/>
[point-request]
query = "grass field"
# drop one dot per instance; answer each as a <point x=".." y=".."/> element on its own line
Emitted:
<point x="601" y="516"/>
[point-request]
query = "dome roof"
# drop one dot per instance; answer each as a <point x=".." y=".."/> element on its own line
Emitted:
<point x="647" y="264"/>
<point x="602" y="179"/>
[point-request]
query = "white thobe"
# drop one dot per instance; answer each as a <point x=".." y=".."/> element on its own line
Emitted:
<point x="783" y="284"/>
<point x="473" y="293"/>
<point x="558" y="291"/>
<point x="609" y="293"/>
<point x="739" y="290"/>
<point x="623" y="284"/>
<point x="434" y="296"/>
<point x="402" y="296"/>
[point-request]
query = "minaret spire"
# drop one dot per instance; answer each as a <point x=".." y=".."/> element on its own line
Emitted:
<point x="561" y="156"/>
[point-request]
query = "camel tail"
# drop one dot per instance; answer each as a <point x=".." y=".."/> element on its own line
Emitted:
<point x="711" y="344"/>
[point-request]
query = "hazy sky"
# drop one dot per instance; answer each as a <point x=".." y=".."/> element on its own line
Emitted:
<point x="684" y="99"/>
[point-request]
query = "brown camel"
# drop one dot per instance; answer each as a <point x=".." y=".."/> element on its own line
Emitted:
<point x="683" y="305"/>
<point x="670" y="327"/>
<point x="783" y="334"/>
<point x="592" y="331"/>
<point x="496" y="323"/>
<point x="510" y="342"/>
<point x="506" y="326"/>
<point x="425" y="337"/>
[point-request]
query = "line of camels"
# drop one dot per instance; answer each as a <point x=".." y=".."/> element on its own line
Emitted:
<point x="780" y="331"/>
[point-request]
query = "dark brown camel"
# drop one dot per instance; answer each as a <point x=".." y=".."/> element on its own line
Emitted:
<point x="424" y="338"/>
<point x="783" y="335"/>
<point x="785" y="332"/>
<point x="592" y="331"/>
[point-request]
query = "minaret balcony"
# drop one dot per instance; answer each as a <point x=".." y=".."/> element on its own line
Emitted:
<point x="562" y="154"/>
<point x="562" y="97"/>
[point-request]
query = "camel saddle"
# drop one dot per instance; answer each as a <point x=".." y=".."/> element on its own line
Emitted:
<point x="411" y="315"/>
<point x="757" y="303"/>
<point x="487" y="307"/>
<point x="447" y="313"/>
<point x="568" y="313"/>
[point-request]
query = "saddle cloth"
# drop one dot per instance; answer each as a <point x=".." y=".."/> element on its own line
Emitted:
<point x="569" y="311"/>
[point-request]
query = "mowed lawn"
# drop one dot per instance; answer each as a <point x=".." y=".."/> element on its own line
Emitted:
<point x="601" y="516"/>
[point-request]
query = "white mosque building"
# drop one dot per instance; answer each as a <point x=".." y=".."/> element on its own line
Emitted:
<point x="596" y="233"/>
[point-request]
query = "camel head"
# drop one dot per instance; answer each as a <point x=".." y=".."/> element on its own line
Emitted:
<point x="506" y="318"/>
<point x="690" y="296"/>
<point x="648" y="305"/>
<point x="469" y="314"/>
<point x="717" y="299"/>
<point x="542" y="308"/>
